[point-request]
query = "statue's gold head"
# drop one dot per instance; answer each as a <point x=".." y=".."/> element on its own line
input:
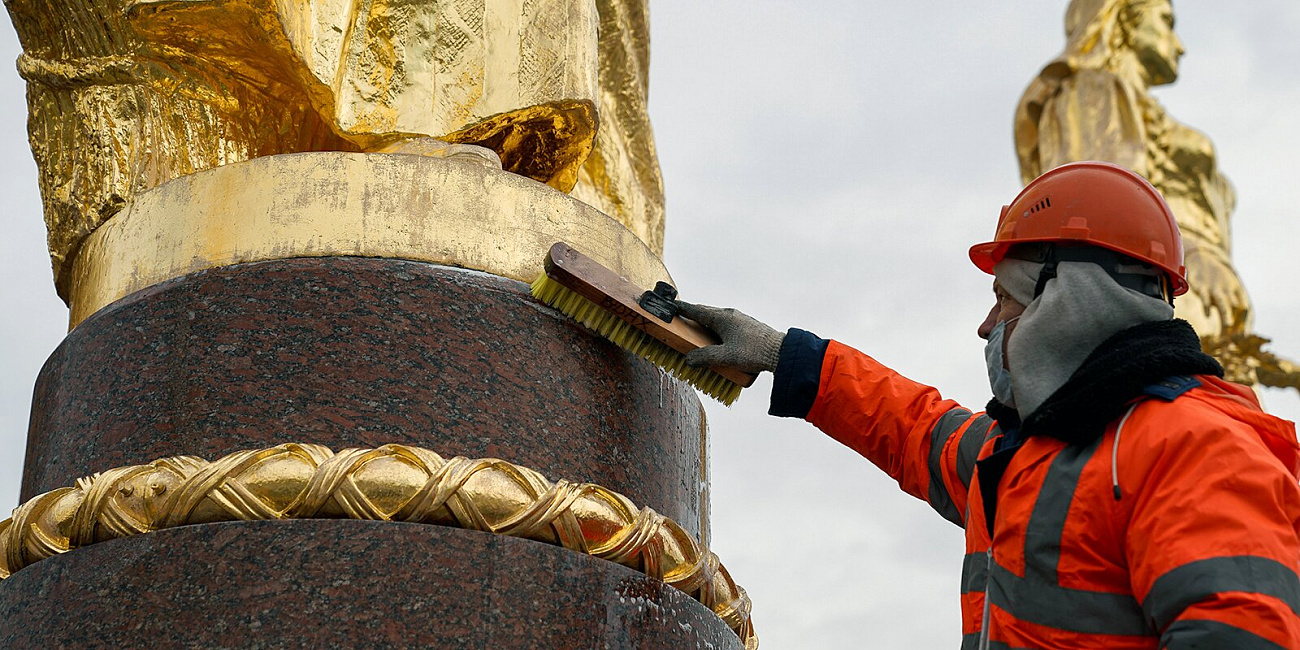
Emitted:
<point x="1115" y="34"/>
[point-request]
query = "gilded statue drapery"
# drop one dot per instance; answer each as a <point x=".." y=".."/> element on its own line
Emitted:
<point x="1093" y="102"/>
<point x="127" y="94"/>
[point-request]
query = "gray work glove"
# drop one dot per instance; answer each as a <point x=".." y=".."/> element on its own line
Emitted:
<point x="747" y="344"/>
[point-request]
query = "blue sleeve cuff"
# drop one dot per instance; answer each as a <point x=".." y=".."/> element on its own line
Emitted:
<point x="798" y="374"/>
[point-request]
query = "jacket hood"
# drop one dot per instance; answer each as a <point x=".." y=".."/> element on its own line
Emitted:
<point x="1118" y="371"/>
<point x="1121" y="369"/>
<point x="1240" y="403"/>
<point x="1124" y="366"/>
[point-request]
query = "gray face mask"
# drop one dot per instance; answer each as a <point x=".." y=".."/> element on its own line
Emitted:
<point x="999" y="376"/>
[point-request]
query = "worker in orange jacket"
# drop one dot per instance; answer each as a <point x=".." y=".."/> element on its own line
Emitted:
<point x="1117" y="492"/>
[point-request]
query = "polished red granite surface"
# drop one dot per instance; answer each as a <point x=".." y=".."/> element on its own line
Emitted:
<point x="344" y="584"/>
<point x="352" y="352"/>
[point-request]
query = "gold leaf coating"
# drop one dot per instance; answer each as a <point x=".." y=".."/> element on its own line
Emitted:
<point x="621" y="177"/>
<point x="437" y="210"/>
<point x="389" y="483"/>
<point x="125" y="95"/>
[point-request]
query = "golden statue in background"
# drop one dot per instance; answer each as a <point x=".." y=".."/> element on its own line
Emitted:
<point x="1093" y="102"/>
<point x="125" y="95"/>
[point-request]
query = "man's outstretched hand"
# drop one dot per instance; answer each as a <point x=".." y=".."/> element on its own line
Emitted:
<point x="746" y="343"/>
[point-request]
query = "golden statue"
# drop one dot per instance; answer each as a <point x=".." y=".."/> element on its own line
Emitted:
<point x="174" y="137"/>
<point x="1093" y="102"/>
<point x="128" y="94"/>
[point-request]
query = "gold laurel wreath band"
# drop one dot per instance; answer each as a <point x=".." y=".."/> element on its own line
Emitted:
<point x="390" y="483"/>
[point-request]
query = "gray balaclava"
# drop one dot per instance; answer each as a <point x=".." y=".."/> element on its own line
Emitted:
<point x="1078" y="309"/>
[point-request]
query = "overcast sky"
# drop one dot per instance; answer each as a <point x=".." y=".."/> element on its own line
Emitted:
<point x="827" y="169"/>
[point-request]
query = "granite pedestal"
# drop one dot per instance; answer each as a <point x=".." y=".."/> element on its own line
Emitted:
<point x="355" y="352"/>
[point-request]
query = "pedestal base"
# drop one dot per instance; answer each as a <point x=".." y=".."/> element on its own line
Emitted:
<point x="344" y="584"/>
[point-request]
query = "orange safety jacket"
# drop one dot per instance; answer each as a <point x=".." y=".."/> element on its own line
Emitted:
<point x="1177" y="527"/>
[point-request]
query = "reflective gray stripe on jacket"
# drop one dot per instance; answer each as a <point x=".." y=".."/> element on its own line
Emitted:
<point x="968" y="449"/>
<point x="1038" y="597"/>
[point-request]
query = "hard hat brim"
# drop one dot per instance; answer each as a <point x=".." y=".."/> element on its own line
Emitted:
<point x="985" y="256"/>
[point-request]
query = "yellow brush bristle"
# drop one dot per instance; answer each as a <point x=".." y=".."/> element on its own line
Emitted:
<point x="606" y="324"/>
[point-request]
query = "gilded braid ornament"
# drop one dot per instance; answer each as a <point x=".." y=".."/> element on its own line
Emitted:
<point x="390" y="483"/>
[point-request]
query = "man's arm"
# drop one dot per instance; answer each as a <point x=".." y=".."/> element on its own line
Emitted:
<point x="926" y="443"/>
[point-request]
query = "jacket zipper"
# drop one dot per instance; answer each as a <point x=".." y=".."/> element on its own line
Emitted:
<point x="984" y="622"/>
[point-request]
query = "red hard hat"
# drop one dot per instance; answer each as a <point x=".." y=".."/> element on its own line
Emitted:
<point x="1094" y="204"/>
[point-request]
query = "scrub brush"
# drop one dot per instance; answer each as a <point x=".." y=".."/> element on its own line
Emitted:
<point x="642" y="322"/>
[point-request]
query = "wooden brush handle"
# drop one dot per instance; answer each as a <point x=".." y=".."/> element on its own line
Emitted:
<point x="620" y="297"/>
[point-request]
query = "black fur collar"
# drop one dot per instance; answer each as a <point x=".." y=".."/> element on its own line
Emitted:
<point x="1008" y="418"/>
<point x="1115" y="373"/>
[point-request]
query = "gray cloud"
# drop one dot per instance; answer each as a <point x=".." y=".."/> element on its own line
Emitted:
<point x="827" y="168"/>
